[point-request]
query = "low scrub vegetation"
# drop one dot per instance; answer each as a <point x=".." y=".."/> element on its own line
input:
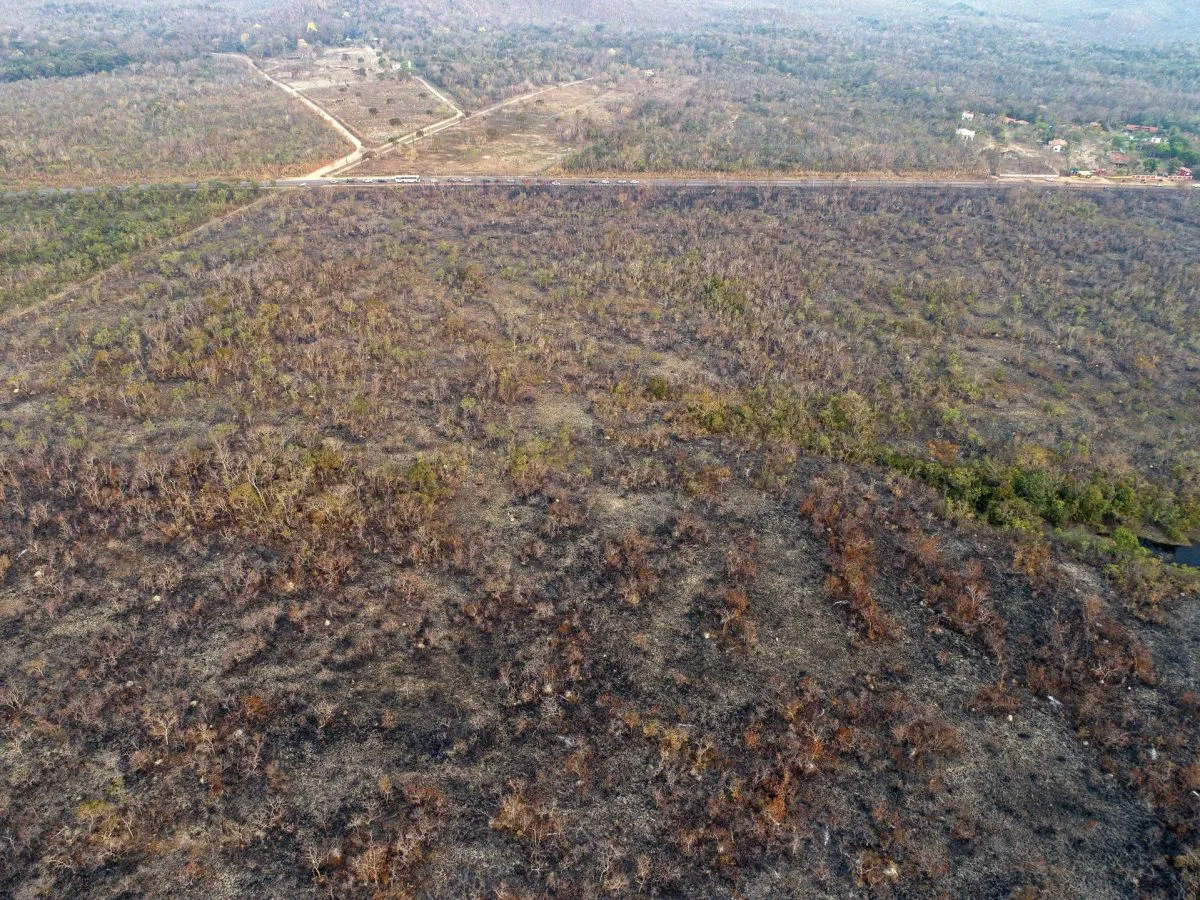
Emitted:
<point x="51" y="241"/>
<point x="201" y="119"/>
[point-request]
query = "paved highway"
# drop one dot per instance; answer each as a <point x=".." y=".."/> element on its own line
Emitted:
<point x="459" y="181"/>
<point x="464" y="181"/>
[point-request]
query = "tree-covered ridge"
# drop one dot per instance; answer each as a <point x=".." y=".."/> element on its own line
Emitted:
<point x="20" y="60"/>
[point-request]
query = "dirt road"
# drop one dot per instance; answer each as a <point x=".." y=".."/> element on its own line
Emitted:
<point x="460" y="116"/>
<point x="458" y="113"/>
<point x="339" y="126"/>
<point x="512" y="101"/>
<point x="412" y="137"/>
<point x="361" y="150"/>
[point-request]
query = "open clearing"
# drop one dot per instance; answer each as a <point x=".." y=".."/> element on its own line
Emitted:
<point x="372" y="99"/>
<point x="528" y="136"/>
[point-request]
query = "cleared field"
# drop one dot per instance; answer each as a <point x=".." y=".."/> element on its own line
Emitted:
<point x="374" y="101"/>
<point x="1021" y="161"/>
<point x="201" y="119"/>
<point x="529" y="135"/>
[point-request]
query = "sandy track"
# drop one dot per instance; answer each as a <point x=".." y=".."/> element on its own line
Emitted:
<point x="339" y="126"/>
<point x="461" y="117"/>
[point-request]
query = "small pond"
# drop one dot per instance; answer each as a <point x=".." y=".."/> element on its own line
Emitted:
<point x="1181" y="555"/>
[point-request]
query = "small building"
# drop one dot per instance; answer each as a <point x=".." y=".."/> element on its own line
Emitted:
<point x="1058" y="145"/>
<point x="649" y="73"/>
<point x="968" y="116"/>
<point x="1156" y="140"/>
<point x="1119" y="159"/>
<point x="965" y="134"/>
<point x="1145" y="129"/>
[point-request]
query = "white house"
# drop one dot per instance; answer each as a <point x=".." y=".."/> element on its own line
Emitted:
<point x="968" y="116"/>
<point x="966" y="134"/>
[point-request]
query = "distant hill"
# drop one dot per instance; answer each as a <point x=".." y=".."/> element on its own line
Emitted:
<point x="1102" y="21"/>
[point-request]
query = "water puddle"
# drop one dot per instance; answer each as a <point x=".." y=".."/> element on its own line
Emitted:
<point x="1181" y="555"/>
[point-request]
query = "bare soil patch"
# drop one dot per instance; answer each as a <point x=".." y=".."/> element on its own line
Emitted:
<point x="527" y="137"/>
<point x="362" y="90"/>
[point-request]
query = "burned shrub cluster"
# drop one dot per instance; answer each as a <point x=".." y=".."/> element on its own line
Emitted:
<point x="325" y="572"/>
